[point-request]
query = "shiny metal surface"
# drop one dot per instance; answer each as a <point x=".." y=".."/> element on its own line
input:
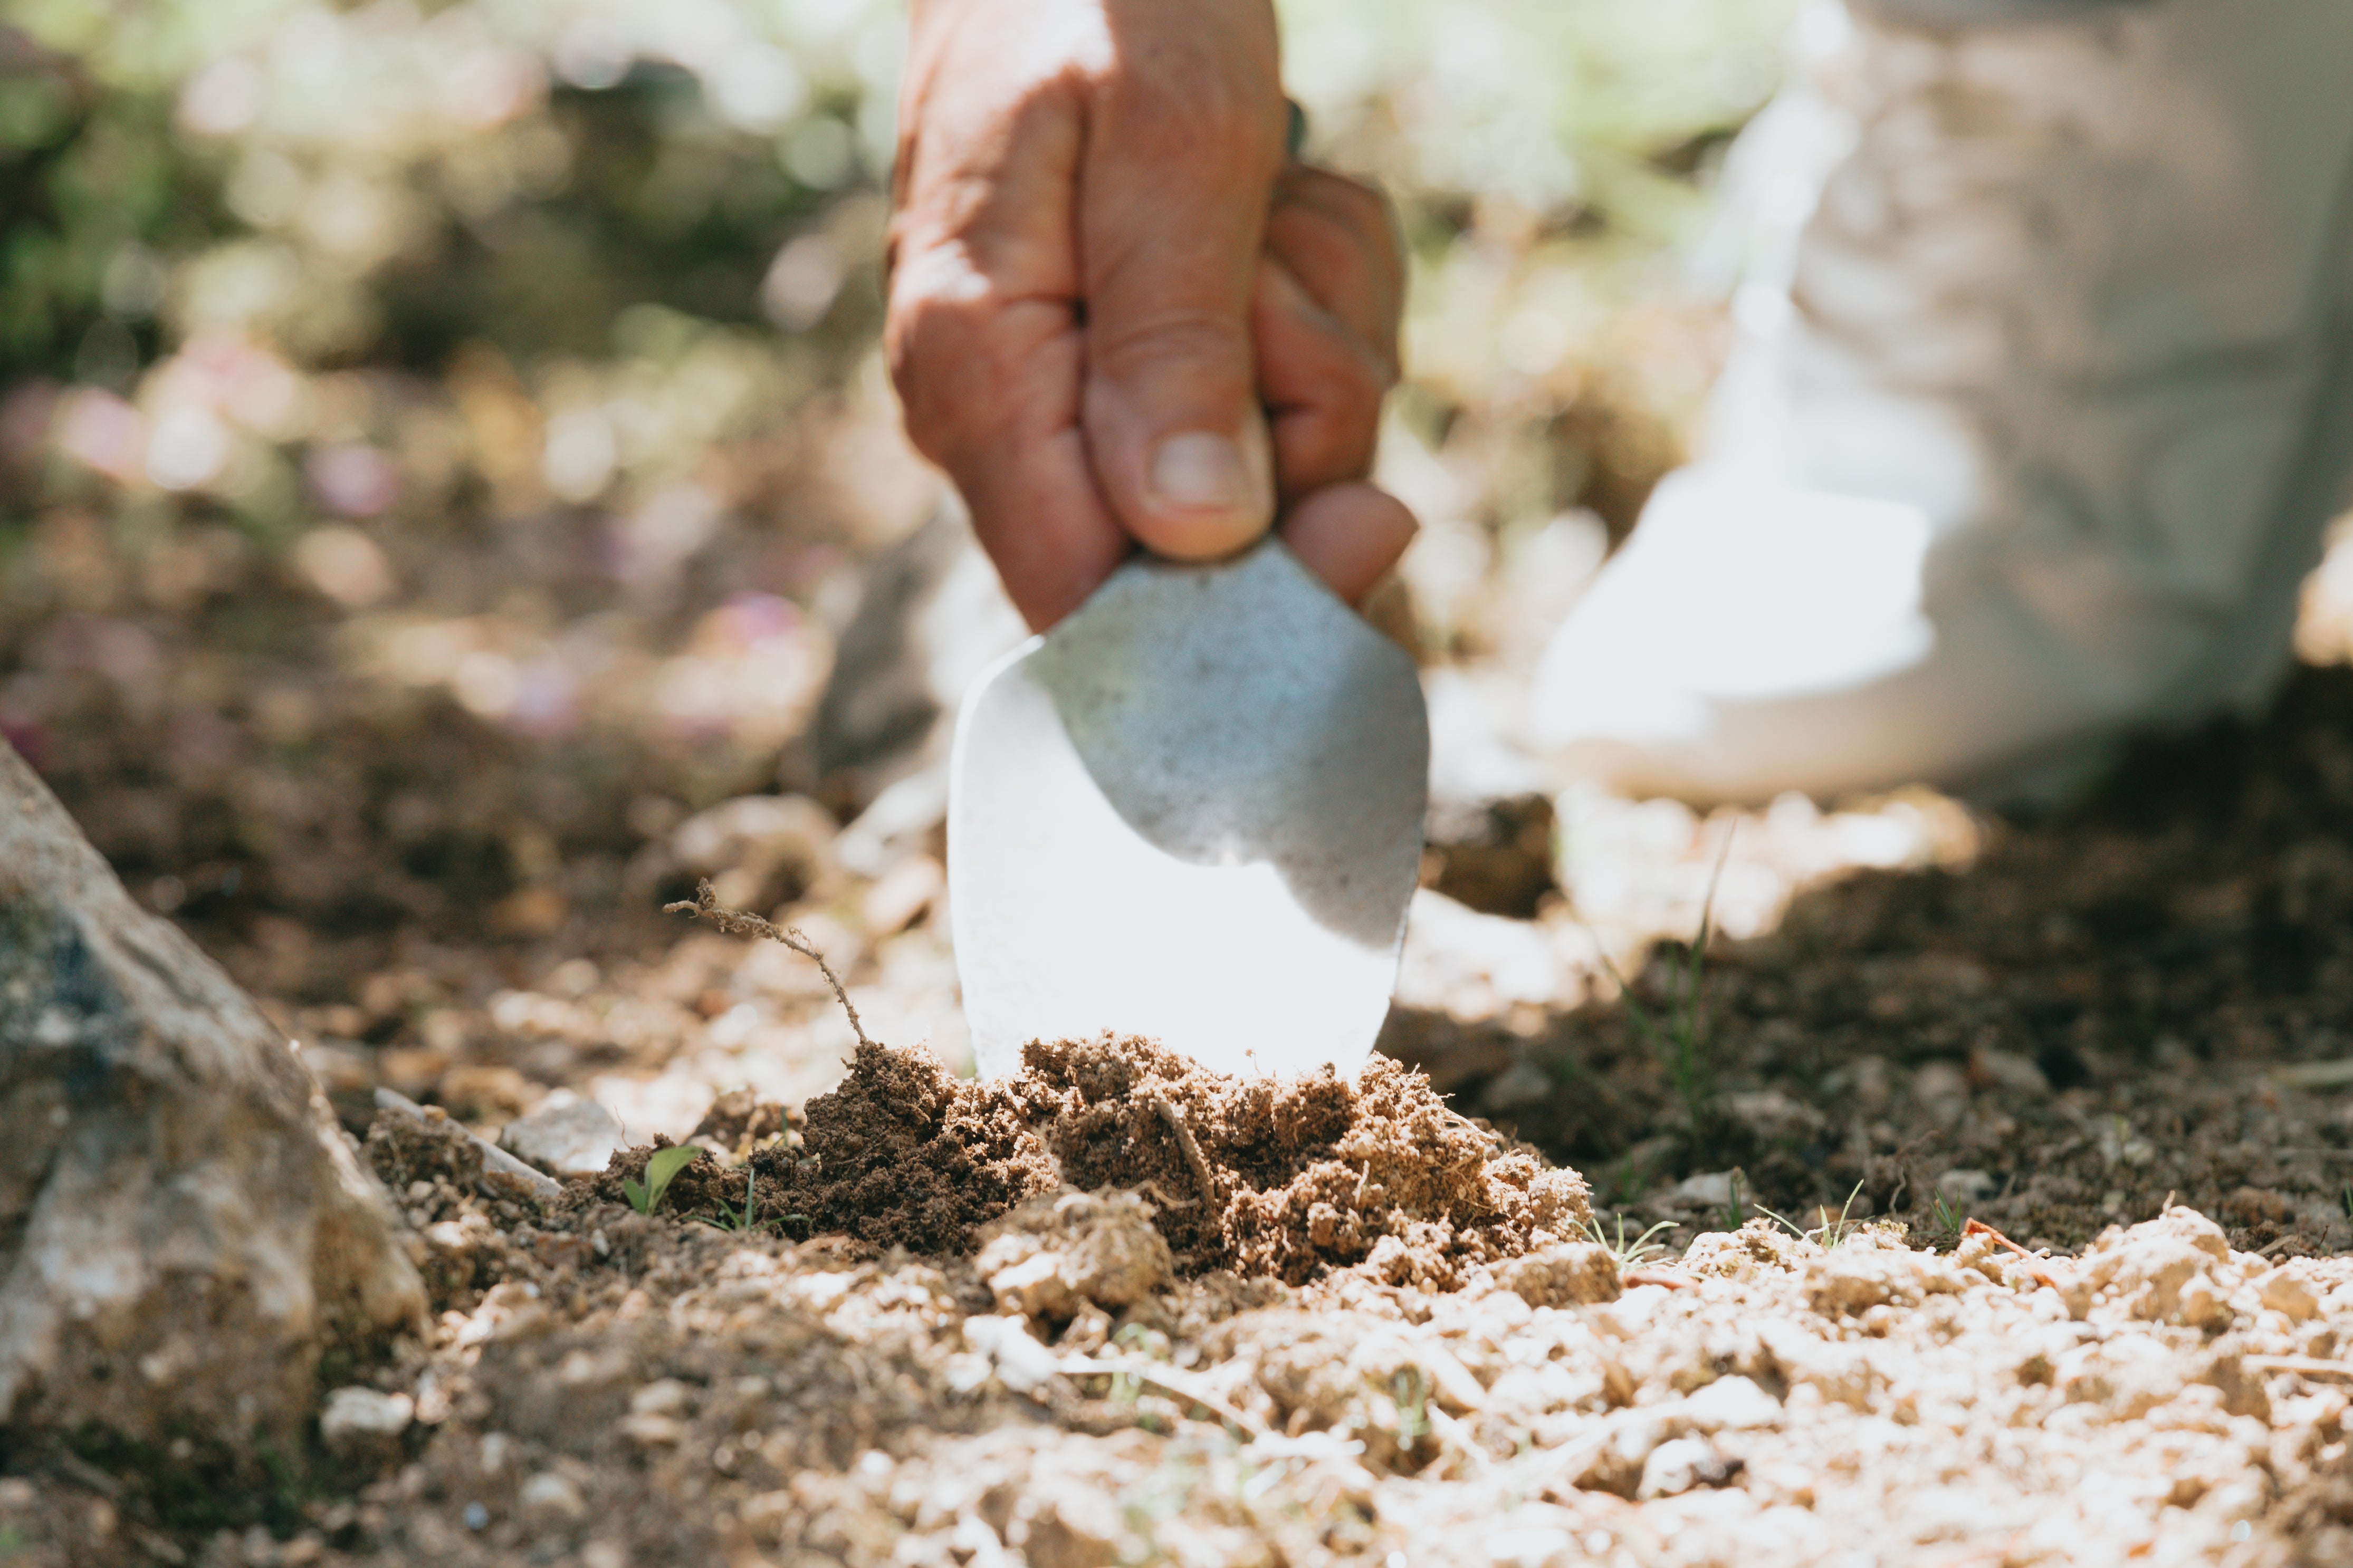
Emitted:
<point x="1192" y="810"/>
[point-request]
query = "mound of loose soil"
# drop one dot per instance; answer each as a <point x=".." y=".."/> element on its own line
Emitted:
<point x="1281" y="1178"/>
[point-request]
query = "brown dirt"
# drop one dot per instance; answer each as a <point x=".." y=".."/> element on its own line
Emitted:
<point x="1303" y="1175"/>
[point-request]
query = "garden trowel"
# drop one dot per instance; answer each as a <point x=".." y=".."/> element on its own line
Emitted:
<point x="1192" y="810"/>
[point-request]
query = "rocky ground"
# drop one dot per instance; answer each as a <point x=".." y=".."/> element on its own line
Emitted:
<point x="1978" y="1199"/>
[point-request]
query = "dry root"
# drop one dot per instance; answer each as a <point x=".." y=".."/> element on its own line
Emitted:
<point x="704" y="905"/>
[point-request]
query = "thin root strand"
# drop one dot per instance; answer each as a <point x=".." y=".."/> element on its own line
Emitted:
<point x="704" y="905"/>
<point x="1185" y="1140"/>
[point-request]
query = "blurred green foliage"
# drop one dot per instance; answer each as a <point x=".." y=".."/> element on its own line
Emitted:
<point x="393" y="179"/>
<point x="438" y="437"/>
<point x="534" y="307"/>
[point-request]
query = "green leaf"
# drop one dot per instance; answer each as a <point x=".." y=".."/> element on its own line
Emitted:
<point x="665" y="1164"/>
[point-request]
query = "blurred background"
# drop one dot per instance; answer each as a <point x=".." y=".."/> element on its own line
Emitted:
<point x="443" y="451"/>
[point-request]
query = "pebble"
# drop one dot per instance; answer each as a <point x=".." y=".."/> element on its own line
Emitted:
<point x="567" y="1137"/>
<point x="2288" y="1293"/>
<point x="1731" y="1404"/>
<point x="549" y="1498"/>
<point x="363" y="1420"/>
<point x="1676" y="1466"/>
<point x="1021" y="1361"/>
<point x="663" y="1396"/>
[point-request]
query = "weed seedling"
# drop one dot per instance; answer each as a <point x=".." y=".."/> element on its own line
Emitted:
<point x="1949" y="1218"/>
<point x="728" y="1220"/>
<point x="665" y="1164"/>
<point x="1628" y="1254"/>
<point x="1411" y="1392"/>
<point x="1830" y="1235"/>
<point x="1679" y="1040"/>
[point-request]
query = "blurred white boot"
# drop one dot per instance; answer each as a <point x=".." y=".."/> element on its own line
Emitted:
<point x="2034" y="435"/>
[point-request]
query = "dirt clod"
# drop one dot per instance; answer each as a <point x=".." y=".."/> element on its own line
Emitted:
<point x="1284" y="1178"/>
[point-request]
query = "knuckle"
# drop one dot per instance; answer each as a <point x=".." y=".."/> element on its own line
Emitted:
<point x="1156" y="339"/>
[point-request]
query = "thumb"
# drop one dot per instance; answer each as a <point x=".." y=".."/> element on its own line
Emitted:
<point x="1177" y="179"/>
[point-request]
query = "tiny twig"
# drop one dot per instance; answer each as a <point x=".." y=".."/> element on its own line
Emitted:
<point x="2302" y="1365"/>
<point x="1979" y="1227"/>
<point x="2041" y="1275"/>
<point x="1176" y="1119"/>
<point x="1169" y="1381"/>
<point x="496" y="1160"/>
<point x="704" y="905"/>
<point x="1656" y="1276"/>
<point x="1470" y="1126"/>
<point x="1152" y="1189"/>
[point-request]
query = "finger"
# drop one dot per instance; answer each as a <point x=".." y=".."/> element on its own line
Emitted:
<point x="1322" y="386"/>
<point x="1340" y="238"/>
<point x="990" y="389"/>
<point x="1182" y="156"/>
<point x="1349" y="535"/>
<point x="982" y="332"/>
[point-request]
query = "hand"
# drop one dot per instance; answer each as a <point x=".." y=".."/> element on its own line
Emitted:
<point x="1116" y="314"/>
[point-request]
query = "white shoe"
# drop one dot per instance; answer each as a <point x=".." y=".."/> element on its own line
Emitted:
<point x="2034" y="435"/>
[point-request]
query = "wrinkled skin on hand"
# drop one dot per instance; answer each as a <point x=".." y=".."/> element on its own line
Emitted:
<point x="1118" y="314"/>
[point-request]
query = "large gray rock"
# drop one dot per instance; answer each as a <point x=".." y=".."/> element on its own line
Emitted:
<point x="182" y="1229"/>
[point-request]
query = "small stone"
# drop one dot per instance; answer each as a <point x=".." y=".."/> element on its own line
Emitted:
<point x="549" y="1498"/>
<point x="1022" y="1363"/>
<point x="2164" y="1270"/>
<point x="1943" y="1091"/>
<point x="1731" y="1404"/>
<point x="1065" y="1524"/>
<point x="1708" y="1189"/>
<point x="2008" y="1072"/>
<point x="902" y="894"/>
<point x="1677" y="1466"/>
<point x="566" y="1137"/>
<point x="1053" y="1254"/>
<point x="1772" y="1116"/>
<point x="1617" y="1463"/>
<point x="1578" y="1274"/>
<point x="1963" y="1185"/>
<point x="653" y="1431"/>
<point x="663" y="1396"/>
<point x="1033" y="1287"/>
<point x="363" y="1422"/>
<point x="2289" y="1293"/>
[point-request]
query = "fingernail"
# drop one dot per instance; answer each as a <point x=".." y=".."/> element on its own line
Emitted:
<point x="1198" y="471"/>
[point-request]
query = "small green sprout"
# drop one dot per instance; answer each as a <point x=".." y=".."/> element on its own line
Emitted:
<point x="1679" y="1041"/>
<point x="1731" y="1216"/>
<point x="1628" y="1254"/>
<point x="1410" y="1389"/>
<point x="1830" y="1235"/>
<point x="1949" y="1218"/>
<point x="665" y="1164"/>
<point x="728" y="1220"/>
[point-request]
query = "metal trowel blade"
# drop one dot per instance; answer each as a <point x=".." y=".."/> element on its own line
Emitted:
<point x="1192" y="810"/>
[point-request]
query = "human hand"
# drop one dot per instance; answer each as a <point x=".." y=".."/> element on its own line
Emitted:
<point x="1117" y="315"/>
